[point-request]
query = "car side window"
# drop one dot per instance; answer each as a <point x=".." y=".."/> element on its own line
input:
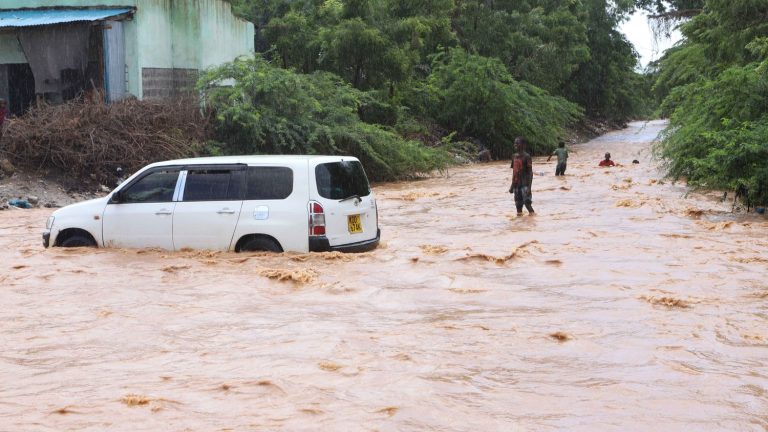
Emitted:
<point x="269" y="183"/>
<point x="213" y="185"/>
<point x="157" y="186"/>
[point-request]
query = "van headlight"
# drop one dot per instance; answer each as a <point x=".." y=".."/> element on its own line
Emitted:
<point x="49" y="223"/>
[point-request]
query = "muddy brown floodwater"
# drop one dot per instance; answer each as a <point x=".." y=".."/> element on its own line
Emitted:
<point x="624" y="305"/>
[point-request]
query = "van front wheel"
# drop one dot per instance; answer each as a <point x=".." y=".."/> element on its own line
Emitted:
<point x="77" y="240"/>
<point x="258" y="244"/>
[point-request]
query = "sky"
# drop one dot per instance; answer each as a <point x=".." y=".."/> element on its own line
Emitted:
<point x="638" y="31"/>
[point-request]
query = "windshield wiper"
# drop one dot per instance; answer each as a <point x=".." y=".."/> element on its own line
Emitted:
<point x="357" y="197"/>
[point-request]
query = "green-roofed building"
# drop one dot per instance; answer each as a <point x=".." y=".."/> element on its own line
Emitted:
<point x="56" y="50"/>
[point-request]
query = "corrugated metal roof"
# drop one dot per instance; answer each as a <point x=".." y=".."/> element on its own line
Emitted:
<point x="37" y="17"/>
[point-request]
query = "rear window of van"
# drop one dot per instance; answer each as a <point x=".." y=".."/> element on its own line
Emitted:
<point x="340" y="180"/>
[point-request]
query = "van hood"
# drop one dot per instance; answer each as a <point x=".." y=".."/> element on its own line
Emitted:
<point x="94" y="205"/>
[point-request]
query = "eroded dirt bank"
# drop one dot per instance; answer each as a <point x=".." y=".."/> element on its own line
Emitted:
<point x="621" y="306"/>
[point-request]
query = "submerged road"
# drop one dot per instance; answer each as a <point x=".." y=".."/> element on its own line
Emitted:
<point x="626" y="304"/>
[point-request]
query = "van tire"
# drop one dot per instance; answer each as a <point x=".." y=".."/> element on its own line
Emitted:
<point x="260" y="244"/>
<point x="78" y="240"/>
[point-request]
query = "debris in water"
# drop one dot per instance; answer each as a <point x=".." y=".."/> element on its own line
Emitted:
<point x="498" y="260"/>
<point x="467" y="290"/>
<point x="565" y="188"/>
<point x="65" y="411"/>
<point x="225" y="387"/>
<point x="328" y="256"/>
<point x="716" y="226"/>
<point x="415" y="260"/>
<point x="295" y="276"/>
<point x="560" y="336"/>
<point x="147" y="251"/>
<point x="751" y="260"/>
<point x="433" y="250"/>
<point x="175" y="268"/>
<point x="627" y="203"/>
<point x="104" y="313"/>
<point x="390" y="411"/>
<point x="312" y="411"/>
<point x="627" y="180"/>
<point x="694" y="212"/>
<point x="554" y="262"/>
<point x="19" y="267"/>
<point x="674" y="235"/>
<point x="329" y="366"/>
<point x="413" y="196"/>
<point x="669" y="302"/>
<point x="135" y="400"/>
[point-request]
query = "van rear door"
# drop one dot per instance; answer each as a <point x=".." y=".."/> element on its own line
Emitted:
<point x="341" y="187"/>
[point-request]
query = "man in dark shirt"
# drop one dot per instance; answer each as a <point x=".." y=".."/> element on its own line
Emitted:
<point x="522" y="177"/>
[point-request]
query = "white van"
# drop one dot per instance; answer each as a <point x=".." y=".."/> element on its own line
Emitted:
<point x="232" y="203"/>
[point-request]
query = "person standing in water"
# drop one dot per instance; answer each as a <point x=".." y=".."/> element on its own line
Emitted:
<point x="562" y="158"/>
<point x="522" y="177"/>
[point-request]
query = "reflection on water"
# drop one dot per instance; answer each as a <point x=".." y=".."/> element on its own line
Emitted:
<point x="623" y="303"/>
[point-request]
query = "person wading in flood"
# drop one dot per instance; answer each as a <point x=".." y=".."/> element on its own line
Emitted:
<point x="607" y="162"/>
<point x="522" y="177"/>
<point x="562" y="159"/>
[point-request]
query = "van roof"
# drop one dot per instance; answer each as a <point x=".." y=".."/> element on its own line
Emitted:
<point x="245" y="159"/>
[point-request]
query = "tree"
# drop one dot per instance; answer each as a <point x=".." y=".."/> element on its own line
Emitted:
<point x="478" y="96"/>
<point x="716" y="86"/>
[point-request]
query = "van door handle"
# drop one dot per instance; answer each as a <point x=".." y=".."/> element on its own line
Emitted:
<point x="225" y="211"/>
<point x="163" y="212"/>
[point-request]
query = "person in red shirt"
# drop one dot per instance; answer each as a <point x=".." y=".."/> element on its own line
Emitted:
<point x="522" y="177"/>
<point x="607" y="162"/>
<point x="3" y="115"/>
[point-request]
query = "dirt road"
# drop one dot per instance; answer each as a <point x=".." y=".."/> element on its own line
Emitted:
<point x="624" y="305"/>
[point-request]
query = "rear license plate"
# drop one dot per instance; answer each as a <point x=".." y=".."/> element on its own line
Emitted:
<point x="354" y="224"/>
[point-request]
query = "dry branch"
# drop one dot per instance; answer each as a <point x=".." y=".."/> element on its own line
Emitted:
<point x="90" y="139"/>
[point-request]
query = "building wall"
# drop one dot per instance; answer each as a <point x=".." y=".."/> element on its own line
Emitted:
<point x="167" y="40"/>
<point x="218" y="46"/>
<point x="11" y="51"/>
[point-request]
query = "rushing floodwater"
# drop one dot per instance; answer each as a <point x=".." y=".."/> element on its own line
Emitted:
<point x="623" y="305"/>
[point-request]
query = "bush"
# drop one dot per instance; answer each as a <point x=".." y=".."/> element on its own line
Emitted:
<point x="268" y="110"/>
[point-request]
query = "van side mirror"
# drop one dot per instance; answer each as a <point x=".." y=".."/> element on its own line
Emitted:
<point x="117" y="197"/>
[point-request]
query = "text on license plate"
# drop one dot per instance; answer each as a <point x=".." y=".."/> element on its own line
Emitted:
<point x="355" y="226"/>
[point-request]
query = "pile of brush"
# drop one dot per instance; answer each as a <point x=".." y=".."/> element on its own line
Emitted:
<point x="88" y="139"/>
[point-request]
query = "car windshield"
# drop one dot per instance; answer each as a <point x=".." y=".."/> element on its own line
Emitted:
<point x="340" y="180"/>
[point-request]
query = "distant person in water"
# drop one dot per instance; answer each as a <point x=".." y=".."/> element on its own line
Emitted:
<point x="607" y="162"/>
<point x="562" y="158"/>
<point x="3" y="115"/>
<point x="522" y="177"/>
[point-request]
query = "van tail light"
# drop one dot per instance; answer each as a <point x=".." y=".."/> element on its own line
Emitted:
<point x="316" y="219"/>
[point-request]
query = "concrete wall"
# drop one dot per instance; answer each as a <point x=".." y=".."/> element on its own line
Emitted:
<point x="10" y="49"/>
<point x="178" y="35"/>
<point x="4" y="82"/>
<point x="219" y="46"/>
